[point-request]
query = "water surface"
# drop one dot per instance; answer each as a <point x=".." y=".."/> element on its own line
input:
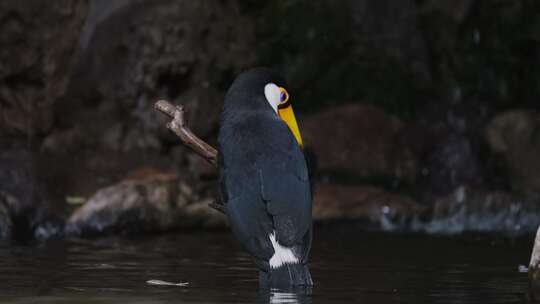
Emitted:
<point x="348" y="265"/>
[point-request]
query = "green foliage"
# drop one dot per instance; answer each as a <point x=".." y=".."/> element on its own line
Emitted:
<point x="314" y="43"/>
<point x="492" y="54"/>
<point x="499" y="52"/>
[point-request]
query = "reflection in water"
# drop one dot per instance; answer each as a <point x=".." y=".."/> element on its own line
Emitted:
<point x="370" y="268"/>
<point x="293" y="295"/>
<point x="283" y="297"/>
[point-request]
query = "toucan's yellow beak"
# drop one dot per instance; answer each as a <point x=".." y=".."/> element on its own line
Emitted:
<point x="286" y="113"/>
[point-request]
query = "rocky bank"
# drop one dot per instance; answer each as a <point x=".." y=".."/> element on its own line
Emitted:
<point x="423" y="123"/>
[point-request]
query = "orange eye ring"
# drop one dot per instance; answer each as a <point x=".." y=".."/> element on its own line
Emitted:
<point x="283" y="96"/>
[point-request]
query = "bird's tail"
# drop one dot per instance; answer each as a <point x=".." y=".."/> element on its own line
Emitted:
<point x="286" y="275"/>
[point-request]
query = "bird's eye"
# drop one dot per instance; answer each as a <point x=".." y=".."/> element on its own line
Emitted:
<point x="283" y="96"/>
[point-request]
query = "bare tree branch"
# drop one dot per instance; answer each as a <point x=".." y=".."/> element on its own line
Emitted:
<point x="178" y="125"/>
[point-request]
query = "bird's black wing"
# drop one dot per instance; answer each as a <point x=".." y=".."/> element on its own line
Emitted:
<point x="284" y="184"/>
<point x="264" y="180"/>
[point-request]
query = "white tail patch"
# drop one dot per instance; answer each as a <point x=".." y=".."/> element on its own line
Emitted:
<point x="282" y="255"/>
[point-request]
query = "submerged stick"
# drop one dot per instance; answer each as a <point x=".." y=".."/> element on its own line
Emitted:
<point x="534" y="269"/>
<point x="178" y="125"/>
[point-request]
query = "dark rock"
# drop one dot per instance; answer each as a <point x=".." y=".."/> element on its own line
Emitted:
<point x="514" y="136"/>
<point x="31" y="212"/>
<point x="448" y="162"/>
<point x="135" y="52"/>
<point x="92" y="122"/>
<point x="5" y="223"/>
<point x="148" y="201"/>
<point x="37" y="48"/>
<point x="62" y="141"/>
<point x="361" y="142"/>
<point x="375" y="207"/>
<point x="479" y="210"/>
<point x="466" y="210"/>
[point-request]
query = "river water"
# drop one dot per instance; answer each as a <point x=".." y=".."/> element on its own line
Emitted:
<point x="348" y="266"/>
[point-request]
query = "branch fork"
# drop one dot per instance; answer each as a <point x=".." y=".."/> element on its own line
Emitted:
<point x="178" y="125"/>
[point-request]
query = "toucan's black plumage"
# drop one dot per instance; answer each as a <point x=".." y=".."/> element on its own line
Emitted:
<point x="264" y="181"/>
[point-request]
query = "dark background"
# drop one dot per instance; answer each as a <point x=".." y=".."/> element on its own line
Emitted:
<point x="422" y="114"/>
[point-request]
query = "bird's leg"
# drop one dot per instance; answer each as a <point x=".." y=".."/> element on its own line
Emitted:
<point x="179" y="126"/>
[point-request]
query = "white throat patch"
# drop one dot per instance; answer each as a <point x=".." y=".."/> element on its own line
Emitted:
<point x="273" y="95"/>
<point x="282" y="255"/>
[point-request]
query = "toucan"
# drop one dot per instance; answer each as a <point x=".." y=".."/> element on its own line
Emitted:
<point x="264" y="180"/>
